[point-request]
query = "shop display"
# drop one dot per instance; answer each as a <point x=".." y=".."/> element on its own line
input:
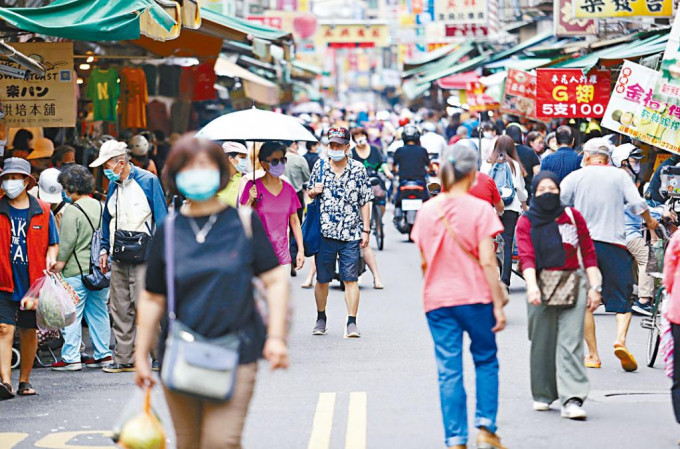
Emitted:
<point x="133" y="98"/>
<point x="103" y="90"/>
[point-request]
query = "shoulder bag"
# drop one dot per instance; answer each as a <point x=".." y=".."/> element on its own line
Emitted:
<point x="560" y="288"/>
<point x="194" y="365"/>
<point x="130" y="246"/>
<point x="95" y="279"/>
<point x="311" y="225"/>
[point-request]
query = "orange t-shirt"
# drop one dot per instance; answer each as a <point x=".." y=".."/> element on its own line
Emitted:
<point x="133" y="98"/>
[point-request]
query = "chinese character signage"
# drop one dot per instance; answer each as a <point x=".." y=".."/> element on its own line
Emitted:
<point x="568" y="93"/>
<point x="636" y="109"/>
<point x="669" y="82"/>
<point x="623" y="8"/>
<point x="568" y="25"/>
<point x="467" y="30"/>
<point x="477" y="100"/>
<point x="353" y="35"/>
<point x="519" y="97"/>
<point x="461" y="11"/>
<point x="48" y="101"/>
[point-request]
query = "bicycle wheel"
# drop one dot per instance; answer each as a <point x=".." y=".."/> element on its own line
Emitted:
<point x="654" y="336"/>
<point x="378" y="230"/>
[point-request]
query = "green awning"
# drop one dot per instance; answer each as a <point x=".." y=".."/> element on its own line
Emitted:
<point x="245" y="27"/>
<point x="523" y="46"/>
<point x="443" y="63"/>
<point x="466" y="66"/>
<point x="525" y="64"/>
<point x="90" y="20"/>
<point x="307" y="67"/>
<point x="412" y="89"/>
<point x="429" y="57"/>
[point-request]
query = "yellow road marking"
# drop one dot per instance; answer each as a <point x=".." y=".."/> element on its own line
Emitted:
<point x="323" y="422"/>
<point x="60" y="440"/>
<point x="9" y="440"/>
<point x="356" y="421"/>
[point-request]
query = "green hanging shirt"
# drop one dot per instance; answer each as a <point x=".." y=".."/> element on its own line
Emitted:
<point x="102" y="89"/>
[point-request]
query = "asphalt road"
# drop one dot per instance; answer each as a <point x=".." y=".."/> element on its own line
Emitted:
<point x="379" y="391"/>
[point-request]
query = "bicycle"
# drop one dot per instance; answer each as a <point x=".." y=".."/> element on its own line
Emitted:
<point x="377" y="226"/>
<point x="654" y="322"/>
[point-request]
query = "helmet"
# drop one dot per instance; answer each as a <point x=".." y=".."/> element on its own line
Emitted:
<point x="139" y="146"/>
<point x="411" y="133"/>
<point x="625" y="151"/>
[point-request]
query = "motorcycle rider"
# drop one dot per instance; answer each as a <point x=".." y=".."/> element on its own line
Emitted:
<point x="411" y="162"/>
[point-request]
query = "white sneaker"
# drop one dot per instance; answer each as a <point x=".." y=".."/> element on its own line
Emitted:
<point x="541" y="406"/>
<point x="572" y="410"/>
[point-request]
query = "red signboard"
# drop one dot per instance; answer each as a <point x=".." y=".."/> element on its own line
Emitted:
<point x="468" y="30"/>
<point x="519" y="97"/>
<point x="568" y="93"/>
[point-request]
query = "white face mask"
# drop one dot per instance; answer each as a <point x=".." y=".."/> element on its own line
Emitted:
<point x="13" y="187"/>
<point x="488" y="134"/>
<point x="361" y="141"/>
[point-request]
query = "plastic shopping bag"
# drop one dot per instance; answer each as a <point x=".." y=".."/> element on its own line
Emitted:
<point x="55" y="306"/>
<point x="139" y="430"/>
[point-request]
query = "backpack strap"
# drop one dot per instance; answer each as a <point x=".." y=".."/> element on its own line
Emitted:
<point x="246" y="216"/>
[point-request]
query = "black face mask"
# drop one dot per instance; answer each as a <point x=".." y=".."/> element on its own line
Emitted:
<point x="548" y="201"/>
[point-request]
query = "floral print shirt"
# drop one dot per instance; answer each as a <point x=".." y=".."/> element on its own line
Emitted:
<point x="342" y="199"/>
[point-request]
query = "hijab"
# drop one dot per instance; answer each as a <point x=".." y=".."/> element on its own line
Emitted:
<point x="543" y="213"/>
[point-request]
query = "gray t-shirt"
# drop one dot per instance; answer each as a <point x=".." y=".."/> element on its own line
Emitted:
<point x="297" y="170"/>
<point x="601" y="193"/>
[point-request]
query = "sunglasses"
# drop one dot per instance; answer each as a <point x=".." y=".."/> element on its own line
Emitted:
<point x="275" y="162"/>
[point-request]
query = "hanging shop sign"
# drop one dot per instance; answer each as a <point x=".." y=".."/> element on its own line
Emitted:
<point x="566" y="24"/>
<point x="353" y="35"/>
<point x="519" y="97"/>
<point x="476" y="98"/>
<point x="457" y="12"/>
<point x="569" y="93"/>
<point x="669" y="81"/>
<point x="638" y="110"/>
<point x="48" y="101"/>
<point x="467" y="30"/>
<point x="622" y="8"/>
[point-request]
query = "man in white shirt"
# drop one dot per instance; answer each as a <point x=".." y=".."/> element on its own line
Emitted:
<point x="431" y="141"/>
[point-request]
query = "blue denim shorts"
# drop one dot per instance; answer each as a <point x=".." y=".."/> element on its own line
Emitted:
<point x="345" y="253"/>
<point x="616" y="266"/>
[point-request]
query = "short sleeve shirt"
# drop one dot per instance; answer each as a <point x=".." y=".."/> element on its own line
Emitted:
<point x="373" y="162"/>
<point x="412" y="162"/>
<point x="485" y="189"/>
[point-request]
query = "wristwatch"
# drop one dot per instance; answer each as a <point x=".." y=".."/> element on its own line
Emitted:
<point x="366" y="232"/>
<point x="597" y="288"/>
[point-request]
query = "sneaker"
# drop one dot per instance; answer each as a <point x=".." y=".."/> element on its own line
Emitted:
<point x="573" y="410"/>
<point x="488" y="440"/>
<point x="320" y="328"/>
<point x="642" y="309"/>
<point x="65" y="366"/>
<point x="541" y="406"/>
<point x="98" y="363"/>
<point x="155" y="365"/>
<point x="352" y="331"/>
<point x="119" y="368"/>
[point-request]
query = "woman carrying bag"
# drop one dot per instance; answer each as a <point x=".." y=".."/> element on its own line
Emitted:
<point x="549" y="240"/>
<point x="199" y="276"/>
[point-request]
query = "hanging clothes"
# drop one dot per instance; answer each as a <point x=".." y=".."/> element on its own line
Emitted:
<point x="103" y="90"/>
<point x="168" y="80"/>
<point x="204" y="84"/>
<point x="151" y="72"/>
<point x="181" y="116"/>
<point x="158" y="119"/>
<point x="133" y="99"/>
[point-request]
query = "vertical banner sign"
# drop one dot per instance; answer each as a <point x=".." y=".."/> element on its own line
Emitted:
<point x="568" y="25"/>
<point x="519" y="97"/>
<point x="456" y="12"/>
<point x="568" y="93"/>
<point x="669" y="83"/>
<point x="623" y="8"/>
<point x="49" y="101"/>
<point x="636" y="110"/>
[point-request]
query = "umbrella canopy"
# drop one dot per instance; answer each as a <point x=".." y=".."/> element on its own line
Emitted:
<point x="256" y="125"/>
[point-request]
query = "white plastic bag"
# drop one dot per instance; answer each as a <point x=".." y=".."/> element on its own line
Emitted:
<point x="55" y="306"/>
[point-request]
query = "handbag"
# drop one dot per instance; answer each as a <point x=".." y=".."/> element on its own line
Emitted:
<point x="311" y="225"/>
<point x="195" y="365"/>
<point x="95" y="279"/>
<point x="130" y="246"/>
<point x="559" y="288"/>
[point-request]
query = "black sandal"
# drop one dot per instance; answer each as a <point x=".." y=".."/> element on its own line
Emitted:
<point x="6" y="391"/>
<point x="24" y="388"/>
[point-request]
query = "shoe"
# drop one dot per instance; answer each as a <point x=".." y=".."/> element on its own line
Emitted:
<point x="293" y="272"/>
<point x="65" y="366"/>
<point x="642" y="309"/>
<point x="541" y="406"/>
<point x="119" y="368"/>
<point x="98" y="363"/>
<point x="458" y="446"/>
<point x="84" y="357"/>
<point x="320" y="328"/>
<point x="628" y="362"/>
<point x="488" y="440"/>
<point x="573" y="410"/>
<point x="155" y="365"/>
<point x="352" y="331"/>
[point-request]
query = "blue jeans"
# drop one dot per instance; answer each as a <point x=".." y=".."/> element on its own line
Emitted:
<point x="447" y="325"/>
<point x="93" y="305"/>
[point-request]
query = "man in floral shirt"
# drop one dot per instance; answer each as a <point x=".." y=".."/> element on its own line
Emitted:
<point x="343" y="186"/>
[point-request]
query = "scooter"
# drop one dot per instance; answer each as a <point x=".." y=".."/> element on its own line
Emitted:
<point x="410" y="198"/>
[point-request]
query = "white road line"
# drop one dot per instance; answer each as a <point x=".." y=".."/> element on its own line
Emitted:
<point x="356" y="421"/>
<point x="323" y="422"/>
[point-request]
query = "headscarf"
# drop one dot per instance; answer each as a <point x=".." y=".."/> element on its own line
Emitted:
<point x="545" y="232"/>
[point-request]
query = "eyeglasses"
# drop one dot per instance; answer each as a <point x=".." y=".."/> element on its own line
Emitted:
<point x="275" y="162"/>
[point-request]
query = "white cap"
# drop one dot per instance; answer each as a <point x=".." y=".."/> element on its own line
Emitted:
<point x="108" y="150"/>
<point x="139" y="146"/>
<point x="599" y="145"/>
<point x="49" y="188"/>
<point x="234" y="147"/>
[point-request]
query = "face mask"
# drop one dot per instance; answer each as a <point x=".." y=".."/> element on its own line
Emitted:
<point x="111" y="175"/>
<point x="13" y="187"/>
<point x="277" y="170"/>
<point x="242" y="165"/>
<point x="65" y="197"/>
<point x="548" y="201"/>
<point x="361" y="141"/>
<point x="65" y="165"/>
<point x="336" y="155"/>
<point x="198" y="185"/>
<point x="488" y="134"/>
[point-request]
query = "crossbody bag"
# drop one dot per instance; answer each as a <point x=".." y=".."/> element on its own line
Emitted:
<point x="130" y="246"/>
<point x="194" y="365"/>
<point x="95" y="279"/>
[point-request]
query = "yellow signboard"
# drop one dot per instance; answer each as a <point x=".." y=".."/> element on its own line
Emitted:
<point x="49" y="101"/>
<point x="353" y="35"/>
<point x="623" y="8"/>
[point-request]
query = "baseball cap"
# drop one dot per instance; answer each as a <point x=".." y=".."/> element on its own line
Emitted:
<point x="599" y="145"/>
<point x="625" y="151"/>
<point x="17" y="165"/>
<point x="42" y="148"/>
<point x="339" y="135"/>
<point x="109" y="149"/>
<point x="234" y="147"/>
<point x="49" y="188"/>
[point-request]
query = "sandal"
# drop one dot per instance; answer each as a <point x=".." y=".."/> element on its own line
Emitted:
<point x="589" y="362"/>
<point x="6" y="391"/>
<point x="628" y="362"/>
<point x="307" y="285"/>
<point x="26" y="389"/>
<point x="378" y="286"/>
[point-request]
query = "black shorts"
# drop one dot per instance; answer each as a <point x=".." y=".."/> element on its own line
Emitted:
<point x="346" y="254"/>
<point x="10" y="314"/>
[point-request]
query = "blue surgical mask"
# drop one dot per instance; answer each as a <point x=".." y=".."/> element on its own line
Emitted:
<point x="198" y="184"/>
<point x="111" y="175"/>
<point x="242" y="165"/>
<point x="336" y="155"/>
<point x="65" y="197"/>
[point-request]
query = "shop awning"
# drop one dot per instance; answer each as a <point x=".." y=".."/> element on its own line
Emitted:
<point x="458" y="81"/>
<point x="539" y="38"/>
<point x="525" y="64"/>
<point x="236" y="29"/>
<point x="99" y="20"/>
<point x="429" y="57"/>
<point x="256" y="87"/>
<point x="415" y="87"/>
<point x="441" y="63"/>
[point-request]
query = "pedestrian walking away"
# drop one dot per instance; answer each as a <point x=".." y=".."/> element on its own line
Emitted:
<point x="211" y="301"/>
<point x="564" y="160"/>
<point x="549" y="240"/>
<point x="462" y="294"/>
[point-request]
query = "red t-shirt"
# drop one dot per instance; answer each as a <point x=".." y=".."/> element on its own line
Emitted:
<point x="485" y="189"/>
